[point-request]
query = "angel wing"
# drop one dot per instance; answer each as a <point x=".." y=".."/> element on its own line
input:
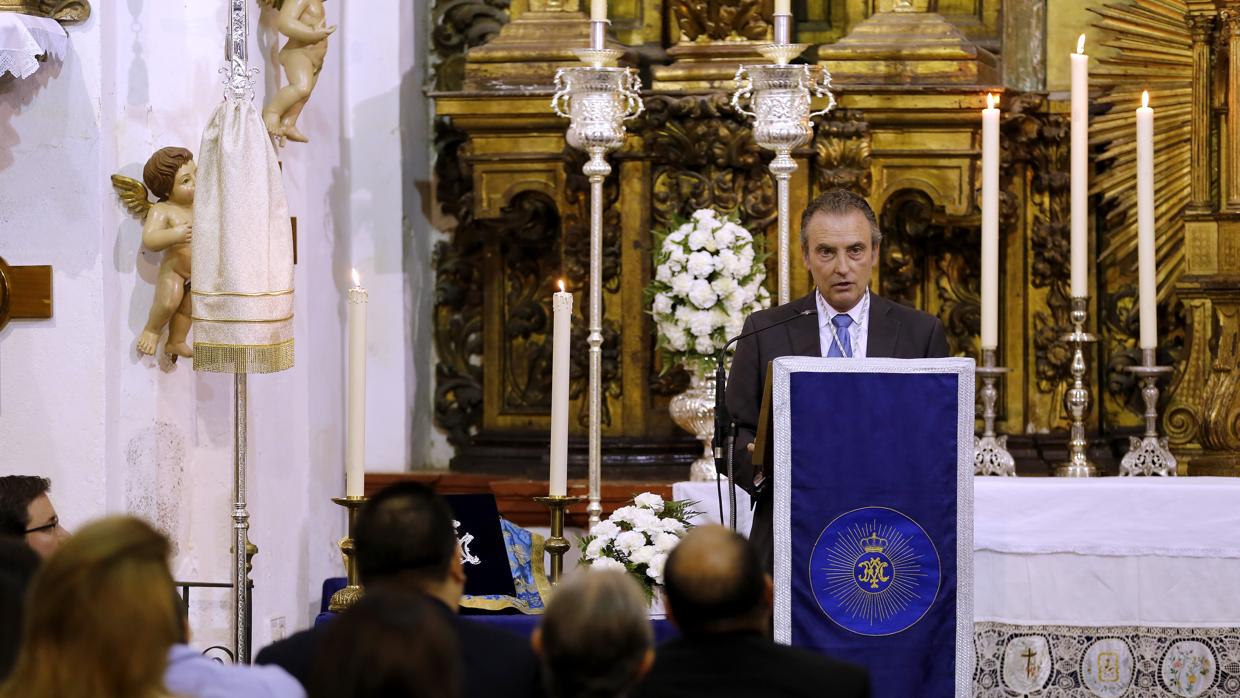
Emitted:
<point x="132" y="193"/>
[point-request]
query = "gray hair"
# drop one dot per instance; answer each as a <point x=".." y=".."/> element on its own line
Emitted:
<point x="838" y="202"/>
<point x="595" y="635"/>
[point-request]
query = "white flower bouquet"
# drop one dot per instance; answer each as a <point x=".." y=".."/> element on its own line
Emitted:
<point x="708" y="277"/>
<point x="638" y="538"/>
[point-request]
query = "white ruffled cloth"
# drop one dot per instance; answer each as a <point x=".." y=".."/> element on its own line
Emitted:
<point x="23" y="38"/>
<point x="243" y="248"/>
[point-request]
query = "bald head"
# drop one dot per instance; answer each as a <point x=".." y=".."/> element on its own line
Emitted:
<point x="715" y="583"/>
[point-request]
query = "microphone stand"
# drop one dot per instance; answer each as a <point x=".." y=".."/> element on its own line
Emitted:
<point x="725" y="428"/>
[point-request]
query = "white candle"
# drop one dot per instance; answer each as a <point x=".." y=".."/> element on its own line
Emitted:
<point x="1145" y="224"/>
<point x="355" y="436"/>
<point x="1080" y="171"/>
<point x="598" y="10"/>
<point x="562" y="313"/>
<point x="783" y="7"/>
<point x="990" y="224"/>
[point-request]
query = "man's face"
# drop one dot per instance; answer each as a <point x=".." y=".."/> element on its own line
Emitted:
<point x="839" y="256"/>
<point x="44" y="533"/>
<point x="183" y="184"/>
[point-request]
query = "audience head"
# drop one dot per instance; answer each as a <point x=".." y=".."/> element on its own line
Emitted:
<point x="17" y="565"/>
<point x="100" y="618"/>
<point x="404" y="538"/>
<point x="27" y="512"/>
<point x="389" y="644"/>
<point x="714" y="583"/>
<point x="595" y="639"/>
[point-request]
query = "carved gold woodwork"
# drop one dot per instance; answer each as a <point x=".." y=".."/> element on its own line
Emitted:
<point x="905" y="135"/>
<point x="63" y="11"/>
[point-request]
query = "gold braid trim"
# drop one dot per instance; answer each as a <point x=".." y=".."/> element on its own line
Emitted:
<point x="240" y="358"/>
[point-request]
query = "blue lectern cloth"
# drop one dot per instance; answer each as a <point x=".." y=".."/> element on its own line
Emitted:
<point x="873" y="517"/>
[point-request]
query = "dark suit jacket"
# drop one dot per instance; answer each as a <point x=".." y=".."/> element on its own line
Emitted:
<point x="496" y="663"/>
<point x="896" y="331"/>
<point x="747" y="664"/>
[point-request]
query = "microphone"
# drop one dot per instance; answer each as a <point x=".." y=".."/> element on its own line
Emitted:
<point x="723" y="420"/>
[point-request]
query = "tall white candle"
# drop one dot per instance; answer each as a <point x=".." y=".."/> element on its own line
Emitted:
<point x="562" y="313"/>
<point x="783" y="7"/>
<point x="1080" y="171"/>
<point x="598" y="10"/>
<point x="990" y="224"/>
<point x="355" y="436"/>
<point x="1145" y="224"/>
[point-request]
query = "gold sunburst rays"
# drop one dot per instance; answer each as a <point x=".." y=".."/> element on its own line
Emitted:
<point x="1152" y="49"/>
<point x="840" y="569"/>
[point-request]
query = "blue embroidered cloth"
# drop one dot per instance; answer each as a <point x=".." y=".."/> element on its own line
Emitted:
<point x="873" y="538"/>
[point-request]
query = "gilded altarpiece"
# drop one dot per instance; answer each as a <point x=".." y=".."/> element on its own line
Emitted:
<point x="514" y="207"/>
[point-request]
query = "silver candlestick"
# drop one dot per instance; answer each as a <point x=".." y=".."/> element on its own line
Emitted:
<point x="1149" y="454"/>
<point x="1078" y="464"/>
<point x="780" y="96"/>
<point x="990" y="454"/>
<point x="598" y="99"/>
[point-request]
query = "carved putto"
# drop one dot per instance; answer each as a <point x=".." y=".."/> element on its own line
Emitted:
<point x="304" y="23"/>
<point x="168" y="227"/>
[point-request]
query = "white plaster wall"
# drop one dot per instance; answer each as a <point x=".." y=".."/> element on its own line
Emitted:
<point x="117" y="432"/>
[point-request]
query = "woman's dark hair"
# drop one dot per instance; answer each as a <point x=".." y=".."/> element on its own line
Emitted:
<point x="389" y="644"/>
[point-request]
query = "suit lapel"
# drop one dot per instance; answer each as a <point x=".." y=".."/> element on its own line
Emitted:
<point x="884" y="329"/>
<point x="803" y="333"/>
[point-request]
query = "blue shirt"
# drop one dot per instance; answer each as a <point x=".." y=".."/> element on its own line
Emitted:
<point x="193" y="675"/>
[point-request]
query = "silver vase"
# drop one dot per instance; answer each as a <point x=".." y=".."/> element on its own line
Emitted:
<point x="694" y="411"/>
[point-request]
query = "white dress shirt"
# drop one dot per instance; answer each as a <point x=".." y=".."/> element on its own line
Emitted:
<point x="857" y="331"/>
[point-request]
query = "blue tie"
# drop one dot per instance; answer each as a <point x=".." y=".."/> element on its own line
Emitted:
<point x="841" y="322"/>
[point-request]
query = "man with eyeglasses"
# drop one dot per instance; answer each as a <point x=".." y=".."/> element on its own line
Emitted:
<point x="27" y="512"/>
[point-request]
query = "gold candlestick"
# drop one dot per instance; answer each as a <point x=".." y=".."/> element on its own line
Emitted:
<point x="352" y="592"/>
<point x="557" y="544"/>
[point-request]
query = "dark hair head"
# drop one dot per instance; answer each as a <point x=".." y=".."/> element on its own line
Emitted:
<point x="388" y="644"/>
<point x="838" y="202"/>
<point x="18" y="563"/>
<point x="16" y="494"/>
<point x="406" y="529"/>
<point x="595" y="636"/>
<point x="161" y="170"/>
<point x="714" y="582"/>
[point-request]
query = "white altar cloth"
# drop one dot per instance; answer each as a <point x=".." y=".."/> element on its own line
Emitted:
<point x="706" y="497"/>
<point x="23" y="38"/>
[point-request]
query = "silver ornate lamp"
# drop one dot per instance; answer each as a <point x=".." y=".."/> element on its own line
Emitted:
<point x="780" y="96"/>
<point x="598" y="98"/>
<point x="1077" y="398"/>
<point x="1149" y="454"/>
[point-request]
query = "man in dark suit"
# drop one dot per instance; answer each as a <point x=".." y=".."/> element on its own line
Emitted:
<point x="840" y="240"/>
<point x="720" y="600"/>
<point x="405" y="543"/>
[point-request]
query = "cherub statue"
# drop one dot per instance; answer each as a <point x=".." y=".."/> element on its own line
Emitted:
<point x="168" y="227"/>
<point x="304" y="22"/>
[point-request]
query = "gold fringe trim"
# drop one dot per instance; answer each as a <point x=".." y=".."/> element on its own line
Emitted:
<point x="239" y="358"/>
<point x="195" y="318"/>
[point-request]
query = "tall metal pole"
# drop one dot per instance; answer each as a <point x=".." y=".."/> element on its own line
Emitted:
<point x="241" y="527"/>
<point x="596" y="169"/>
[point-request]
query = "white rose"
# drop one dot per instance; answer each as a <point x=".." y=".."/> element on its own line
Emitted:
<point x="678" y="235"/>
<point x="678" y="255"/>
<point x="699" y="239"/>
<point x="704" y="345"/>
<point x="740" y="233"/>
<point x="703" y="214"/>
<point x="702" y="295"/>
<point x="701" y="264"/>
<point x="624" y="514"/>
<point x="628" y="541"/>
<point x="702" y="323"/>
<point x="646" y="520"/>
<point x="595" y="549"/>
<point x="605" y="529"/>
<point x="674" y="265"/>
<point x="725" y="236"/>
<point x="643" y="555"/>
<point x="664" y="541"/>
<point x="677" y="340"/>
<point x="723" y="286"/>
<point x="725" y="260"/>
<point x="734" y="301"/>
<point x="735" y="326"/>
<point x="649" y="500"/>
<point x="672" y="526"/>
<point x="654" y="568"/>
<point x="682" y="284"/>
<point x="663" y="273"/>
<point x="740" y="266"/>
<point x="662" y="304"/>
<point x="605" y="564"/>
<point x="746" y="255"/>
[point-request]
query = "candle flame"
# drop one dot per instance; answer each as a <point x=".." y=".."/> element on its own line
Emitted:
<point x="561" y="285"/>
<point x="1080" y="44"/>
<point x="1145" y="98"/>
<point x="357" y="280"/>
<point x="990" y="101"/>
